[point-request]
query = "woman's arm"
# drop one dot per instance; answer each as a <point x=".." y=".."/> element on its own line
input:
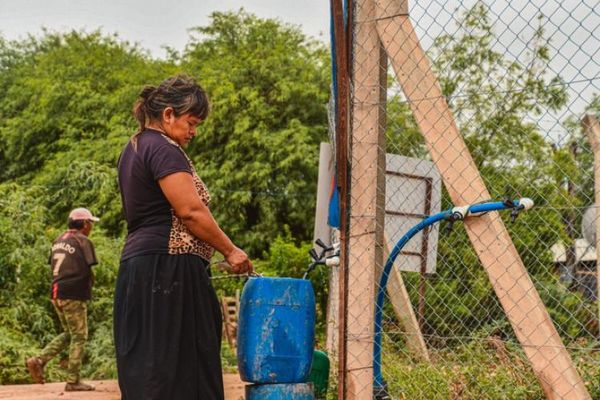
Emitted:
<point x="181" y="193"/>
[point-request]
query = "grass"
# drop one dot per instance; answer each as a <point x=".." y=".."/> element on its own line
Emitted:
<point x="479" y="370"/>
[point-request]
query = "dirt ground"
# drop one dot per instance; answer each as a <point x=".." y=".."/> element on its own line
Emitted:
<point x="105" y="390"/>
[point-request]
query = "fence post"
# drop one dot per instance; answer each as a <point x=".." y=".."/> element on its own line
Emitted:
<point x="592" y="129"/>
<point x="398" y="297"/>
<point x="366" y="212"/>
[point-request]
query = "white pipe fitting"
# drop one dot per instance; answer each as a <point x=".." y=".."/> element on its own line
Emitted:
<point x="332" y="261"/>
<point x="526" y="202"/>
<point x="462" y="211"/>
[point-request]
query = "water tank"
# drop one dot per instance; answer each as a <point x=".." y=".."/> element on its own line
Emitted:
<point x="276" y="330"/>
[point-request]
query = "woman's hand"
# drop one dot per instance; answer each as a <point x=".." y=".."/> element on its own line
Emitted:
<point x="239" y="261"/>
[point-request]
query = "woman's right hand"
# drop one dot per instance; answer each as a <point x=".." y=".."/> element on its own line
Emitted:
<point x="239" y="261"/>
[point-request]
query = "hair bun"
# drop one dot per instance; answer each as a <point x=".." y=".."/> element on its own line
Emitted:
<point x="147" y="92"/>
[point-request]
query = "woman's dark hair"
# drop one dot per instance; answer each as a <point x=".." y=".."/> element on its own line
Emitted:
<point x="180" y="92"/>
<point x="75" y="224"/>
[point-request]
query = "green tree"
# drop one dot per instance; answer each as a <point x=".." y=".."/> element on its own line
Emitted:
<point x="495" y="99"/>
<point x="66" y="99"/>
<point x="65" y="115"/>
<point x="494" y="96"/>
<point x="27" y="320"/>
<point x="258" y="149"/>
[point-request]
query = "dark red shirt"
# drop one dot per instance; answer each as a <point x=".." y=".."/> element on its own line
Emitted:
<point x="71" y="259"/>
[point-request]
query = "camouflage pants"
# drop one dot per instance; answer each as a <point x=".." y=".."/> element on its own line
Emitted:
<point x="73" y="318"/>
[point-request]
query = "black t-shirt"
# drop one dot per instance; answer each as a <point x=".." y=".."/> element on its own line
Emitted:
<point x="152" y="226"/>
<point x="71" y="259"/>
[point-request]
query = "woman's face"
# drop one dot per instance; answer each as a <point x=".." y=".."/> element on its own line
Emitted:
<point x="181" y="129"/>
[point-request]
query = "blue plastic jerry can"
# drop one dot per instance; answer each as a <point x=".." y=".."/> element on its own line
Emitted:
<point x="276" y="330"/>
<point x="280" y="391"/>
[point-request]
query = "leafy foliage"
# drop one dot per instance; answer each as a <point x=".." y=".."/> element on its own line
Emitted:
<point x="494" y="98"/>
<point x="65" y="115"/>
<point x="269" y="87"/>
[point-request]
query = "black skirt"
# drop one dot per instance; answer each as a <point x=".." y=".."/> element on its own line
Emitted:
<point x="167" y="329"/>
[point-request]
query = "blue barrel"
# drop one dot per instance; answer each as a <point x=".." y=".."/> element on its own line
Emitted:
<point x="280" y="391"/>
<point x="276" y="330"/>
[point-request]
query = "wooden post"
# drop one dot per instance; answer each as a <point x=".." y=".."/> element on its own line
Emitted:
<point x="527" y="314"/>
<point x="342" y="163"/>
<point x="366" y="218"/>
<point x="592" y="129"/>
<point x="333" y="310"/>
<point x="402" y="306"/>
<point x="569" y="218"/>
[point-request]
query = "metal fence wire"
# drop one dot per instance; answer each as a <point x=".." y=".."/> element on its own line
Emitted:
<point x="453" y="103"/>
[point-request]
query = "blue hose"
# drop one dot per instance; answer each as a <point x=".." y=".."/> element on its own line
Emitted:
<point x="455" y="214"/>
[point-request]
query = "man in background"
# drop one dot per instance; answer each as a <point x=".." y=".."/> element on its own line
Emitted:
<point x="71" y="259"/>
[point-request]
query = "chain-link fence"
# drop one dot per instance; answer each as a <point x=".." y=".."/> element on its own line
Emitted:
<point x="454" y="103"/>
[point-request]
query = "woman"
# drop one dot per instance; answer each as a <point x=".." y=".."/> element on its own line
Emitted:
<point x="167" y="320"/>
